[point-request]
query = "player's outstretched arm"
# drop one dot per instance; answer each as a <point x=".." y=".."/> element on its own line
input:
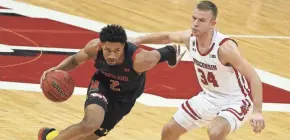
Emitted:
<point x="71" y="62"/>
<point x="163" y="38"/>
<point x="229" y="53"/>
<point x="85" y="54"/>
<point x="146" y="60"/>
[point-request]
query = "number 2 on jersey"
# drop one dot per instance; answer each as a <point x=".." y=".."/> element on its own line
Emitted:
<point x="114" y="84"/>
<point x="209" y="78"/>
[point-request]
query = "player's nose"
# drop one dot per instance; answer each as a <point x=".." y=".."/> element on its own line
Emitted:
<point x="112" y="56"/>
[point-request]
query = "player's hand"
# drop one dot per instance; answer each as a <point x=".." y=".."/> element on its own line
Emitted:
<point x="179" y="54"/>
<point x="257" y="122"/>
<point x="45" y="73"/>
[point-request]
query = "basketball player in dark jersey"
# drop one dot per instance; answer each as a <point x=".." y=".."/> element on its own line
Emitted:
<point x="115" y="86"/>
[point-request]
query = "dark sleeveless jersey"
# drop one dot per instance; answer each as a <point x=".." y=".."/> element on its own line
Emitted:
<point x="120" y="80"/>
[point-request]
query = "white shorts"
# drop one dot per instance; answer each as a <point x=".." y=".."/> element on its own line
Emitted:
<point x="200" y="110"/>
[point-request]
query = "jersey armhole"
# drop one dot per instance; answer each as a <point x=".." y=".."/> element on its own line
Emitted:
<point x="226" y="39"/>
<point x="133" y="59"/>
<point x="135" y="53"/>
<point x="222" y="42"/>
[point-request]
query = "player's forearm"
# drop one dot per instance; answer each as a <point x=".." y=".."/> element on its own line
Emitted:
<point x="67" y="64"/>
<point x="147" y="62"/>
<point x="153" y="60"/>
<point x="156" y="38"/>
<point x="148" y="59"/>
<point x="257" y="93"/>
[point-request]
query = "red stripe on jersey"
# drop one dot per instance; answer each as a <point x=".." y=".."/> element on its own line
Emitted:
<point x="249" y="103"/>
<point x="226" y="39"/>
<point x="249" y="88"/>
<point x="183" y="107"/>
<point x="240" y="84"/>
<point x="135" y="53"/>
<point x="238" y="115"/>
<point x="191" y="110"/>
<point x="244" y="110"/>
<point x="206" y="53"/>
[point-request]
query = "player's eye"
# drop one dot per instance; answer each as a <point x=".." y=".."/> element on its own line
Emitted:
<point x="107" y="50"/>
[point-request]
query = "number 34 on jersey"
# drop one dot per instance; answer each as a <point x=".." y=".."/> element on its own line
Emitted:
<point x="207" y="78"/>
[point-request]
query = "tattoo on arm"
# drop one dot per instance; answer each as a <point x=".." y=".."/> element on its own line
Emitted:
<point x="73" y="61"/>
<point x="68" y="64"/>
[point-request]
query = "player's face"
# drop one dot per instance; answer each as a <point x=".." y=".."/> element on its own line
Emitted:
<point x="202" y="22"/>
<point x="112" y="51"/>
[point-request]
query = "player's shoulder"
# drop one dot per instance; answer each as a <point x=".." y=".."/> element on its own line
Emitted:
<point x="131" y="48"/>
<point x="225" y="43"/>
<point x="228" y="48"/>
<point x="94" y="43"/>
<point x="93" y="47"/>
<point x="224" y="40"/>
<point x="131" y="45"/>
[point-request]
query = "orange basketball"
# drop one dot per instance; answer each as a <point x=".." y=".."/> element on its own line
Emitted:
<point x="57" y="86"/>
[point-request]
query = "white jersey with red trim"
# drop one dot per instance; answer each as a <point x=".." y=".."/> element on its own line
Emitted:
<point x="217" y="80"/>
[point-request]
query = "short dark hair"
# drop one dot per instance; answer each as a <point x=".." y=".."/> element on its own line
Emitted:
<point x="113" y="33"/>
<point x="207" y="5"/>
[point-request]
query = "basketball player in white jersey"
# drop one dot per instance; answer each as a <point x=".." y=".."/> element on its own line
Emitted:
<point x="224" y="104"/>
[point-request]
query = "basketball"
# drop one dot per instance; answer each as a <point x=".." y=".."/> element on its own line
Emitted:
<point x="57" y="86"/>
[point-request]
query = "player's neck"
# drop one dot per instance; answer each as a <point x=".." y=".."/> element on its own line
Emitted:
<point x="205" y="40"/>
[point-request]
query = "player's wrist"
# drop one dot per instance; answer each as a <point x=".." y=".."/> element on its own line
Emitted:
<point x="53" y="68"/>
<point x="167" y="53"/>
<point x="56" y="68"/>
<point x="257" y="109"/>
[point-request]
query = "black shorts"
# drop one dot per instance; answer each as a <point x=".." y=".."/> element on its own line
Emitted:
<point x="115" y="108"/>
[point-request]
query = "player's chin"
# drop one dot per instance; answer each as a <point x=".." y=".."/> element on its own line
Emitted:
<point x="111" y="63"/>
<point x="196" y="34"/>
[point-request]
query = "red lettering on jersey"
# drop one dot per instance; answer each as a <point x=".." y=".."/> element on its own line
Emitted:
<point x="203" y="65"/>
<point x="209" y="78"/>
<point x="116" y="77"/>
<point x="114" y="85"/>
<point x="203" y="77"/>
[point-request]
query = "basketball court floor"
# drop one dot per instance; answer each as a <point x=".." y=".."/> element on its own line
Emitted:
<point x="36" y="35"/>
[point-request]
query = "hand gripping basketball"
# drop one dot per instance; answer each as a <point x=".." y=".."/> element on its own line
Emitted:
<point x="45" y="73"/>
<point x="57" y="85"/>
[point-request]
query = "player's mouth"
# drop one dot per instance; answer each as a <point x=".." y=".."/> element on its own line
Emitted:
<point x="194" y="30"/>
<point x="111" y="61"/>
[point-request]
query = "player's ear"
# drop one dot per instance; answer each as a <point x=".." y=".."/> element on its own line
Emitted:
<point x="213" y="23"/>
